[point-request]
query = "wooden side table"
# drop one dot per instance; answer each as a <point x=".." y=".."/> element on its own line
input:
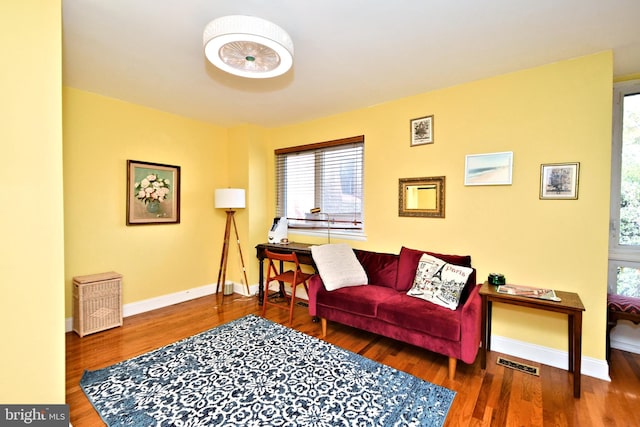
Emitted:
<point x="570" y="304"/>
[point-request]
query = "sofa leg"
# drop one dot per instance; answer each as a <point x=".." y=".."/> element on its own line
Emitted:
<point x="323" y="322"/>
<point x="452" y="367"/>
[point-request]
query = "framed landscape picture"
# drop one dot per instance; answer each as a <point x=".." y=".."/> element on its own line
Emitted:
<point x="559" y="181"/>
<point x="153" y="193"/>
<point x="488" y="169"/>
<point x="422" y="131"/>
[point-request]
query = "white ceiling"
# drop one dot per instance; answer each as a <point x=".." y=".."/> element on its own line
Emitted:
<point x="349" y="54"/>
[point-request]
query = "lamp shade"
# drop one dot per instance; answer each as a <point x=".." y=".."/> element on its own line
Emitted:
<point x="230" y="198"/>
<point x="248" y="46"/>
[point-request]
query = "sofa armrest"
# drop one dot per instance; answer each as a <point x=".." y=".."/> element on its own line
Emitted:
<point x="471" y="318"/>
<point x="315" y="286"/>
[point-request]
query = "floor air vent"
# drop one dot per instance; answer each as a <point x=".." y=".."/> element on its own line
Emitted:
<point x="527" y="369"/>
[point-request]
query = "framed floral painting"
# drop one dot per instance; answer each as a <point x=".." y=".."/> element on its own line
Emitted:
<point x="153" y="193"/>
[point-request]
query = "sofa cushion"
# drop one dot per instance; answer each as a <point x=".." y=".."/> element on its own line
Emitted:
<point x="408" y="264"/>
<point x="623" y="304"/>
<point x="439" y="282"/>
<point x="422" y="316"/>
<point x="381" y="268"/>
<point x="338" y="266"/>
<point x="359" y="300"/>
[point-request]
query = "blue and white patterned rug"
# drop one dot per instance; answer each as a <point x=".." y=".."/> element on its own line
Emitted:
<point x="253" y="372"/>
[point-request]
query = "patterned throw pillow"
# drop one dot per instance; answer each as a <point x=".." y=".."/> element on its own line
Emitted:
<point x="439" y="282"/>
<point x="408" y="262"/>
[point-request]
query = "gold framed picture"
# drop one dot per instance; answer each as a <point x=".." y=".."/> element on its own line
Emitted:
<point x="559" y="181"/>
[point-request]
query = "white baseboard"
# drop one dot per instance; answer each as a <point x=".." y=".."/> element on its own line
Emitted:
<point x="626" y="337"/>
<point x="631" y="347"/>
<point x="549" y="356"/>
<point x="143" y="306"/>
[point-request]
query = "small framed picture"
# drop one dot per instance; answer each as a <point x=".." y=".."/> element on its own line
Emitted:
<point x="488" y="169"/>
<point x="559" y="181"/>
<point x="422" y="131"/>
<point x="153" y="193"/>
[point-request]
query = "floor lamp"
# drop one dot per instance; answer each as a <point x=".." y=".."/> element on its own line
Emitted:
<point x="229" y="199"/>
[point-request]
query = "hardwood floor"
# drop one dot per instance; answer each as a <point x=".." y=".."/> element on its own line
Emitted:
<point x="498" y="396"/>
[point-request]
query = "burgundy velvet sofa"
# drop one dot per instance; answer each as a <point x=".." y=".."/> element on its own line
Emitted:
<point x="383" y="307"/>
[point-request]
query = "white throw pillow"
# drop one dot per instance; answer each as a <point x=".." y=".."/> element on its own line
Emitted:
<point x="338" y="266"/>
<point x="439" y="282"/>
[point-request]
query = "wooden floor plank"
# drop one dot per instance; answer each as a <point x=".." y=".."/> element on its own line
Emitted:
<point x="497" y="396"/>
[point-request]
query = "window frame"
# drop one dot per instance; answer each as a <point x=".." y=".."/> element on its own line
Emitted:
<point x="281" y="197"/>
<point x="619" y="255"/>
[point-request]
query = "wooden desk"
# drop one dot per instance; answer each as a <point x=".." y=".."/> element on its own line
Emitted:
<point x="302" y="251"/>
<point x="570" y="304"/>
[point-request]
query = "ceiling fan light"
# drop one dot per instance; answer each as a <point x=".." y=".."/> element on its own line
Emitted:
<point x="248" y="46"/>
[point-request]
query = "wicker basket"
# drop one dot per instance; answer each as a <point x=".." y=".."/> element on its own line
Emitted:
<point x="97" y="302"/>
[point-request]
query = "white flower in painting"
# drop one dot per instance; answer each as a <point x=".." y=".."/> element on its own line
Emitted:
<point x="152" y="188"/>
<point x="162" y="193"/>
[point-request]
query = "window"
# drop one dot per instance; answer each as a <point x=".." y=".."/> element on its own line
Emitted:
<point x="319" y="186"/>
<point x="624" y="236"/>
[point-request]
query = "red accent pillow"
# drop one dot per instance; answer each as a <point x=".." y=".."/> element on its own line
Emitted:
<point x="381" y="268"/>
<point x="408" y="264"/>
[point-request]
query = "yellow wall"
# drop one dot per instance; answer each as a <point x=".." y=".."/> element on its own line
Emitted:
<point x="248" y="164"/>
<point x="32" y="366"/>
<point x="560" y="112"/>
<point x="556" y="113"/>
<point x="100" y="134"/>
<point x="625" y="78"/>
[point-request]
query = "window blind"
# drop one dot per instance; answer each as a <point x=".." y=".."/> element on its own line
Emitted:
<point x="325" y="175"/>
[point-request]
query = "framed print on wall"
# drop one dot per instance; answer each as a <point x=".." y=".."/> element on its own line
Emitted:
<point x="559" y="181"/>
<point x="153" y="193"/>
<point x="488" y="169"/>
<point x="422" y="131"/>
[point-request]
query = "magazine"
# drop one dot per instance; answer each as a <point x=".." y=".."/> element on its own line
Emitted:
<point x="526" y="291"/>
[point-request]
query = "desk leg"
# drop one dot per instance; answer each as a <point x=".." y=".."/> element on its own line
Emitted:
<point x="483" y="333"/>
<point x="577" y="352"/>
<point x="489" y="317"/>
<point x="260" y="281"/>
<point x="281" y="292"/>
<point x="572" y="341"/>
